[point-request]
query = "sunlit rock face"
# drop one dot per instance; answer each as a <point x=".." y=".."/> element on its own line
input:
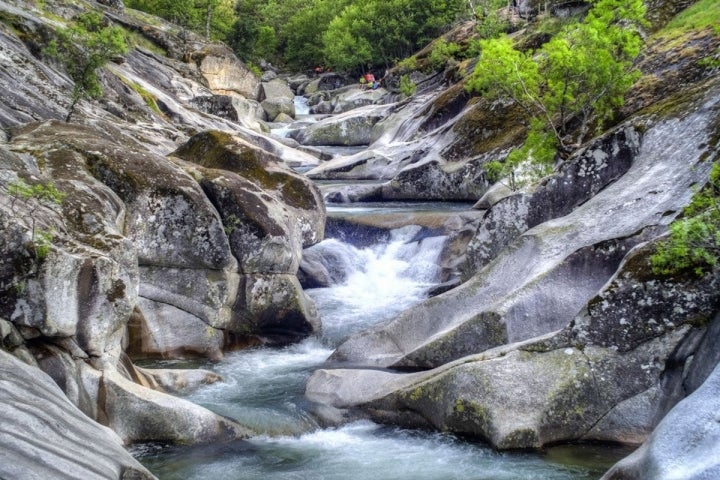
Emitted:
<point x="224" y="73"/>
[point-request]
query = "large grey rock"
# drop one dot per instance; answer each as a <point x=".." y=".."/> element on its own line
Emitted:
<point x="277" y="99"/>
<point x="44" y="436"/>
<point x="270" y="214"/>
<point x="275" y="89"/>
<point x="434" y="180"/>
<point x="138" y="414"/>
<point x="225" y="73"/>
<point x="347" y="129"/>
<point x="274" y="107"/>
<point x="346" y="99"/>
<point x="256" y="191"/>
<point x="686" y="444"/>
<point x="161" y="330"/>
<point x="589" y="171"/>
<point x="246" y="112"/>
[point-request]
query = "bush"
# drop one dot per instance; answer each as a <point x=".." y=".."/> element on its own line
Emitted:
<point x="694" y="241"/>
<point x="83" y="49"/>
<point x="407" y="86"/>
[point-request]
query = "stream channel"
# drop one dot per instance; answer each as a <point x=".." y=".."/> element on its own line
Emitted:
<point x="263" y="388"/>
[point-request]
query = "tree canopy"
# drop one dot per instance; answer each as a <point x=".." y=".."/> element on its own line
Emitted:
<point x="342" y="34"/>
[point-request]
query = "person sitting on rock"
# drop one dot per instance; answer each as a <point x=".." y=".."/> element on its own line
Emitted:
<point x="369" y="79"/>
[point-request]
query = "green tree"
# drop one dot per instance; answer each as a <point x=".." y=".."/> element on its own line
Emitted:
<point x="377" y="33"/>
<point x="214" y="19"/>
<point x="344" y="44"/>
<point x="576" y="81"/>
<point x="694" y="241"/>
<point x="34" y="197"/>
<point x="305" y="29"/>
<point x="84" y="48"/>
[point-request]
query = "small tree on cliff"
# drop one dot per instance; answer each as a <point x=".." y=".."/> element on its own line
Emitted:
<point x="83" y="49"/>
<point x="573" y="83"/>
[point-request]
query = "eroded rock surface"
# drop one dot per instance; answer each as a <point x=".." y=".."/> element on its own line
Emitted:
<point x="43" y="435"/>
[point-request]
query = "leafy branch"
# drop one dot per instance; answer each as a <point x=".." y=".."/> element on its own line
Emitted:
<point x="35" y="197"/>
<point x="575" y="81"/>
<point x="83" y="48"/>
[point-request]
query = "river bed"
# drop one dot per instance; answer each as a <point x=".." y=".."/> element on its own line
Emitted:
<point x="263" y="388"/>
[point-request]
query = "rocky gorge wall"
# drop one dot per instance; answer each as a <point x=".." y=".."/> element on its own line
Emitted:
<point x="175" y="230"/>
<point x="560" y="332"/>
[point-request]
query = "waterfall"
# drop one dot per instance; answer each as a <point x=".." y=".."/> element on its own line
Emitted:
<point x="301" y="105"/>
<point x="373" y="284"/>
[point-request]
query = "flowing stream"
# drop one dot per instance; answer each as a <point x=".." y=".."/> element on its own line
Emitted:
<point x="263" y="388"/>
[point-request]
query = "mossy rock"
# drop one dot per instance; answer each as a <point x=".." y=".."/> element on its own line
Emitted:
<point x="221" y="150"/>
<point x="487" y="127"/>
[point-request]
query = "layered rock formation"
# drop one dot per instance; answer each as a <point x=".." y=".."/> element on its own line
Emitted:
<point x="566" y="334"/>
<point x="43" y="435"/>
<point x="129" y="234"/>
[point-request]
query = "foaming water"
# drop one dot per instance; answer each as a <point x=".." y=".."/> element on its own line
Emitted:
<point x="377" y="282"/>
<point x="301" y="105"/>
<point x="262" y="388"/>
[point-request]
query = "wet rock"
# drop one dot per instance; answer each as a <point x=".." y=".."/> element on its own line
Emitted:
<point x="160" y="330"/>
<point x="275" y="309"/>
<point x="572" y="256"/>
<point x="180" y="380"/>
<point x="433" y="181"/>
<point x="610" y="375"/>
<point x="328" y="263"/>
<point x="45" y="434"/>
<point x="138" y="414"/>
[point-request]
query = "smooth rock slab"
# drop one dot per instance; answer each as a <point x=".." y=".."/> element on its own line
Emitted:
<point x="43" y="436"/>
<point x="139" y="414"/>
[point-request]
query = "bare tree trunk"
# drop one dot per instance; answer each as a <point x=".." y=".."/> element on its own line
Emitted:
<point x="472" y="8"/>
<point x="208" y="18"/>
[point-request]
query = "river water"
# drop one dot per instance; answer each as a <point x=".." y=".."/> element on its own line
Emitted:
<point x="264" y="389"/>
